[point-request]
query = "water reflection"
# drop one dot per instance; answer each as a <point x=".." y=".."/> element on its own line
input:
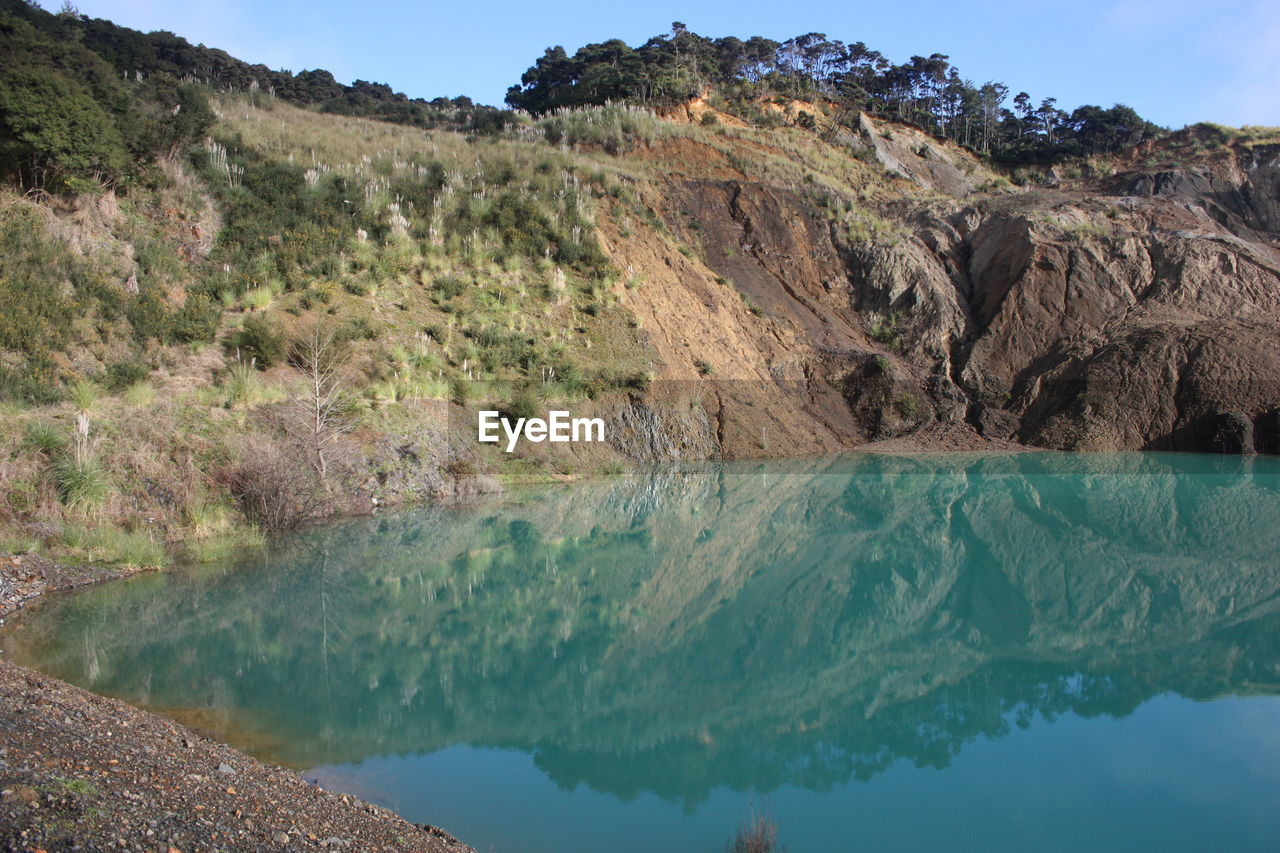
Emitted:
<point x="749" y="626"/>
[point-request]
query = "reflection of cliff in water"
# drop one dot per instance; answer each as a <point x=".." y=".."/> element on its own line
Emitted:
<point x="750" y="626"/>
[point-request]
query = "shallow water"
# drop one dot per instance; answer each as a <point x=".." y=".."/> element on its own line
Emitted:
<point x="1009" y="652"/>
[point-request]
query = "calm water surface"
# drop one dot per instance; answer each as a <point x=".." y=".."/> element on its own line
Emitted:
<point x="988" y="653"/>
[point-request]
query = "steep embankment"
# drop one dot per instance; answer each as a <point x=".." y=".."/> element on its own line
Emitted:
<point x="1133" y="308"/>
<point x="1133" y="311"/>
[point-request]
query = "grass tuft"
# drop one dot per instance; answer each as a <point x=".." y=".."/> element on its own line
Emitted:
<point x="46" y="438"/>
<point x="106" y="543"/>
<point x="84" y="395"/>
<point x="82" y="484"/>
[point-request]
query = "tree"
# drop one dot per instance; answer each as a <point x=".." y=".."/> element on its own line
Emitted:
<point x="51" y="128"/>
<point x="319" y="416"/>
<point x="1099" y="131"/>
<point x="926" y="90"/>
<point x="990" y="97"/>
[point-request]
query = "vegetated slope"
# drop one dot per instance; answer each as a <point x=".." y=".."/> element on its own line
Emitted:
<point x="165" y="56"/>
<point x="445" y="269"/>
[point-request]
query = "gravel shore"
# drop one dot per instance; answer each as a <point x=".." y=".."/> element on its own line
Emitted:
<point x="82" y="772"/>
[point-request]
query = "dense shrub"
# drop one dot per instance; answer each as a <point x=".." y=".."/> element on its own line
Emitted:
<point x="450" y="286"/>
<point x="51" y="128"/>
<point x="66" y="114"/>
<point x="197" y="320"/>
<point x="524" y="403"/>
<point x="261" y="340"/>
<point x="122" y="374"/>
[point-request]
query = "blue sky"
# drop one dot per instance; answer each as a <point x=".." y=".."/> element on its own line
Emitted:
<point x="1175" y="61"/>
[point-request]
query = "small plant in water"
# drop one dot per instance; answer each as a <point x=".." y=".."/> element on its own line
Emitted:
<point x="758" y="835"/>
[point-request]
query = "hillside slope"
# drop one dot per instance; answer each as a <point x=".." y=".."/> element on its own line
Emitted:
<point x="710" y="288"/>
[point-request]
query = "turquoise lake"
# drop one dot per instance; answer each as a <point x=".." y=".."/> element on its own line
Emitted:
<point x="1015" y="652"/>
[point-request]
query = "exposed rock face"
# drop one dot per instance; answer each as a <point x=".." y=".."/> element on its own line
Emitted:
<point x="1105" y="332"/>
<point x="1138" y="311"/>
<point x="911" y="154"/>
<point x="1241" y="193"/>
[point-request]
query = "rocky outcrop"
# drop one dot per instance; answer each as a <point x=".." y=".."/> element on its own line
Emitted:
<point x="1239" y="189"/>
<point x="906" y="152"/>
<point x="1102" y="323"/>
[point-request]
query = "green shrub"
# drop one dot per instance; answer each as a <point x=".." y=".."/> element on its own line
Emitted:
<point x="358" y="287"/>
<point x="885" y="330"/>
<point x="38" y="320"/>
<point x="524" y="403"/>
<point x="149" y="315"/>
<point x="450" y="287"/>
<point x="359" y="328"/>
<point x="53" y="126"/>
<point x="34" y="385"/>
<point x="907" y="407"/>
<point x="769" y="119"/>
<point x="197" y="320"/>
<point x="123" y="374"/>
<point x="319" y="293"/>
<point x="262" y="342"/>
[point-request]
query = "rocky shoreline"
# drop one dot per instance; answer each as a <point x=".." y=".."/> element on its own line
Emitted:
<point x="82" y="772"/>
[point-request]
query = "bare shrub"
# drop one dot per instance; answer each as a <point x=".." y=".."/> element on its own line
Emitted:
<point x="277" y="488"/>
<point x="321" y="415"/>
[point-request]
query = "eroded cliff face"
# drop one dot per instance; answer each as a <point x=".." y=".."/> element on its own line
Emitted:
<point x="1096" y="321"/>
<point x="1135" y="310"/>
